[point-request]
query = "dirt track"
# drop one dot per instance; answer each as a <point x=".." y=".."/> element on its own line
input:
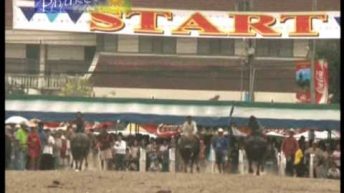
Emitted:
<point x="128" y="182"/>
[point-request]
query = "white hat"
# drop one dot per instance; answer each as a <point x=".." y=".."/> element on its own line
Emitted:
<point x="292" y="130"/>
<point x="220" y="130"/>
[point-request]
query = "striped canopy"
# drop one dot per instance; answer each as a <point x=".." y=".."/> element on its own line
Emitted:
<point x="206" y="113"/>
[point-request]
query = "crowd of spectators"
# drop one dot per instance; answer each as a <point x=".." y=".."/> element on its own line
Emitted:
<point x="35" y="148"/>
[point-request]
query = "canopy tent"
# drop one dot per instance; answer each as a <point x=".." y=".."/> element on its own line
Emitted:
<point x="319" y="135"/>
<point x="133" y="129"/>
<point x="274" y="134"/>
<point x="144" y="111"/>
<point x="237" y="132"/>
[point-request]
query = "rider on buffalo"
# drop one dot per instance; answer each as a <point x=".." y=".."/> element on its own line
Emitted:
<point x="189" y="128"/>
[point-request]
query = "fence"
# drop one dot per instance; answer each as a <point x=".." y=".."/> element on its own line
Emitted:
<point x="53" y="82"/>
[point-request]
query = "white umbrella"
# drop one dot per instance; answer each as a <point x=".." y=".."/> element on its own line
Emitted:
<point x="16" y="120"/>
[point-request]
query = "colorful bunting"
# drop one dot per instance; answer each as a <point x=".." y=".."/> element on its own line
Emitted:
<point x="28" y="12"/>
<point x="74" y="15"/>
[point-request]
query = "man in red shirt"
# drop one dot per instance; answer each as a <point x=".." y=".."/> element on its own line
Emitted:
<point x="289" y="148"/>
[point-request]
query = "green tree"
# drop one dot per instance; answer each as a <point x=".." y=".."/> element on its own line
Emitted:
<point x="330" y="50"/>
<point x="78" y="88"/>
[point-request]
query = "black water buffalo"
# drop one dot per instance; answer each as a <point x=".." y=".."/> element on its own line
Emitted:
<point x="189" y="149"/>
<point x="80" y="147"/>
<point x="256" y="150"/>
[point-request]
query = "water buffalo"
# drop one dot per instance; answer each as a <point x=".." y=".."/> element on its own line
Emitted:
<point x="189" y="148"/>
<point x="256" y="150"/>
<point x="80" y="147"/>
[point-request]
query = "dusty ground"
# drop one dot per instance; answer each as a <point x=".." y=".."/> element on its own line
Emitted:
<point x="132" y="182"/>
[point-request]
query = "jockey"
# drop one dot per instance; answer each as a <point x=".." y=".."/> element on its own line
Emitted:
<point x="80" y="124"/>
<point x="189" y="128"/>
<point x="255" y="127"/>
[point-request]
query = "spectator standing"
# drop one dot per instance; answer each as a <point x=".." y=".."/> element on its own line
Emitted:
<point x="34" y="148"/>
<point x="120" y="150"/>
<point x="300" y="167"/>
<point x="105" y="141"/>
<point x="65" y="150"/>
<point x="42" y="137"/>
<point x="163" y="152"/>
<point x="47" y="161"/>
<point x="21" y="136"/>
<point x="323" y="161"/>
<point x="57" y="149"/>
<point x="289" y="148"/>
<point x="8" y="146"/>
<point x="317" y="156"/>
<point x="134" y="156"/>
<point x="202" y="153"/>
<point x="220" y="145"/>
<point x="336" y="156"/>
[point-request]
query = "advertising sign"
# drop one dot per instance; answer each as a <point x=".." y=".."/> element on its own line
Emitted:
<point x="118" y="17"/>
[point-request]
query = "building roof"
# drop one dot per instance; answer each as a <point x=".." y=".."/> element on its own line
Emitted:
<point x="192" y="73"/>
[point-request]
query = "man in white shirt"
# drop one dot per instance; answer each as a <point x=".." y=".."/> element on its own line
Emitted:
<point x="120" y="149"/>
<point x="48" y="151"/>
<point x="189" y="127"/>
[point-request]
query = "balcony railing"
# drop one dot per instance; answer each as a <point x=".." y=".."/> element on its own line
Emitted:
<point x="51" y="82"/>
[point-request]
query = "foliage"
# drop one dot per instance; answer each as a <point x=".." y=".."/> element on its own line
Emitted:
<point x="77" y="88"/>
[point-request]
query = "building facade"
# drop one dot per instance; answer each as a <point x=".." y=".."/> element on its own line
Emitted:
<point x="129" y="66"/>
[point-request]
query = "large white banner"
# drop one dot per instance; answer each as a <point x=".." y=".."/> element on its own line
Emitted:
<point x="182" y="23"/>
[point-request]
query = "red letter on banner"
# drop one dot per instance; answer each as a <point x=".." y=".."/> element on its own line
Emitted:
<point x="106" y="22"/>
<point x="303" y="23"/>
<point x="244" y="26"/>
<point x="149" y="20"/>
<point x="200" y="23"/>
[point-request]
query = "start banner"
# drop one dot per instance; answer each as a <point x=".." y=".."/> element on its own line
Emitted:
<point x="91" y="18"/>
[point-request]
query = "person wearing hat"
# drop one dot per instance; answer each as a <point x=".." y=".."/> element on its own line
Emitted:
<point x="289" y="148"/>
<point x="34" y="147"/>
<point x="220" y="146"/>
<point x="21" y="137"/>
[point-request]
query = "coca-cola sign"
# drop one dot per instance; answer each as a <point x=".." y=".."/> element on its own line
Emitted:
<point x="303" y="77"/>
<point x="168" y="130"/>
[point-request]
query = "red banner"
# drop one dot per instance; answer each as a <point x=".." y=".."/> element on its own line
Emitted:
<point x="303" y="77"/>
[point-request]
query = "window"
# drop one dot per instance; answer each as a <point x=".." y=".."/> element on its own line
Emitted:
<point x="32" y="51"/>
<point x="220" y="47"/>
<point x="110" y="42"/>
<point x="158" y="45"/>
<point x="89" y="52"/>
<point x="274" y="48"/>
<point x="32" y="56"/>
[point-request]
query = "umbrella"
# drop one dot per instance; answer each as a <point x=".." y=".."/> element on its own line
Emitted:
<point x="16" y="120"/>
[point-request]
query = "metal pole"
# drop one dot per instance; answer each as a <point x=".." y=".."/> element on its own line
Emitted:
<point x="313" y="44"/>
<point x="251" y="68"/>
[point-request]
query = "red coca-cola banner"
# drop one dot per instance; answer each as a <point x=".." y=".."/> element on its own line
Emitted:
<point x="303" y="78"/>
